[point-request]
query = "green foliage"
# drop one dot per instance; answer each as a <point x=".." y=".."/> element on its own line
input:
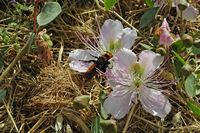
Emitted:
<point x="194" y="108"/>
<point x="108" y="4"/>
<point x="191" y="87"/>
<point x="2" y="94"/>
<point x="4" y="36"/>
<point x="96" y="127"/>
<point x="149" y="3"/>
<point x="195" y="50"/>
<point x="178" y="46"/>
<point x="180" y="59"/>
<point x="102" y="97"/>
<point x="48" y="13"/>
<point x="148" y="17"/>
<point x="1" y="63"/>
<point x="178" y="62"/>
<point x="145" y="46"/>
<point x="20" y="8"/>
<point x="81" y="102"/>
<point x="47" y="38"/>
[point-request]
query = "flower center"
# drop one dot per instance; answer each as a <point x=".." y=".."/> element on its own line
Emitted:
<point x="113" y="46"/>
<point x="137" y="72"/>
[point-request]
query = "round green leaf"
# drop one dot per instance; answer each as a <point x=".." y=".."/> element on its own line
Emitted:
<point x="191" y="85"/>
<point x="2" y="94"/>
<point x="108" y="4"/>
<point x="48" y="13"/>
<point x="148" y="17"/>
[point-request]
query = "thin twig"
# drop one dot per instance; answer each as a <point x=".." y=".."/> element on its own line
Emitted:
<point x="13" y="121"/>
<point x="129" y="118"/>
<point x="147" y="121"/>
<point x="39" y="123"/>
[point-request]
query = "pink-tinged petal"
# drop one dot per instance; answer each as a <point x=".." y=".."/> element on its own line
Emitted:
<point x="125" y="58"/>
<point x="165" y="38"/>
<point x="118" y="78"/>
<point x="150" y="61"/>
<point x="118" y="105"/>
<point x="111" y="31"/>
<point x="154" y="102"/>
<point x="190" y="13"/>
<point x="79" y="66"/>
<point x="120" y="74"/>
<point x="165" y="25"/>
<point x="128" y="38"/>
<point x="83" y="55"/>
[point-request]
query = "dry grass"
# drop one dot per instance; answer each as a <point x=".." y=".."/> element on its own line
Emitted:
<point x="37" y="94"/>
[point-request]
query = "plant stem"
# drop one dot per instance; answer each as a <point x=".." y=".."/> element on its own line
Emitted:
<point x="18" y="57"/>
<point x="129" y="118"/>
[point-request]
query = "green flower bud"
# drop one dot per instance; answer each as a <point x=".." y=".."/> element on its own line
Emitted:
<point x="81" y="102"/>
<point x="109" y="126"/>
<point x="182" y="5"/>
<point x="197" y="43"/>
<point x="187" y="40"/>
<point x="161" y="51"/>
<point x="186" y="69"/>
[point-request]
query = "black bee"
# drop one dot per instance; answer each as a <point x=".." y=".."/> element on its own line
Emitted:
<point x="99" y="65"/>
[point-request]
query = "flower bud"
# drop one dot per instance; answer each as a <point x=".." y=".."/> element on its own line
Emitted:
<point x="109" y="126"/>
<point x="81" y="102"/>
<point x="192" y="61"/>
<point x="182" y="5"/>
<point x="186" y="69"/>
<point x="197" y="43"/>
<point x="187" y="40"/>
<point x="161" y="51"/>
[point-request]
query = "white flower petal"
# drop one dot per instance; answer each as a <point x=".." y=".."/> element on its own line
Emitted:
<point x="125" y="58"/>
<point x="150" y="60"/>
<point x="118" y="76"/>
<point x="154" y="102"/>
<point x="83" y="55"/>
<point x="128" y="38"/>
<point x="111" y="31"/>
<point x="190" y="13"/>
<point x="119" y="105"/>
<point x="79" y="66"/>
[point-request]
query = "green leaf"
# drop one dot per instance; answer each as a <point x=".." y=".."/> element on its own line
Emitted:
<point x="178" y="67"/>
<point x="194" y="108"/>
<point x="149" y="3"/>
<point x="191" y="85"/>
<point x="108" y="4"/>
<point x="2" y="94"/>
<point x="195" y="50"/>
<point x="102" y="97"/>
<point x="1" y="63"/>
<point x="178" y="62"/>
<point x="96" y="127"/>
<point x="148" y="17"/>
<point x="178" y="46"/>
<point x="149" y="47"/>
<point x="48" y="13"/>
<point x="180" y="59"/>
